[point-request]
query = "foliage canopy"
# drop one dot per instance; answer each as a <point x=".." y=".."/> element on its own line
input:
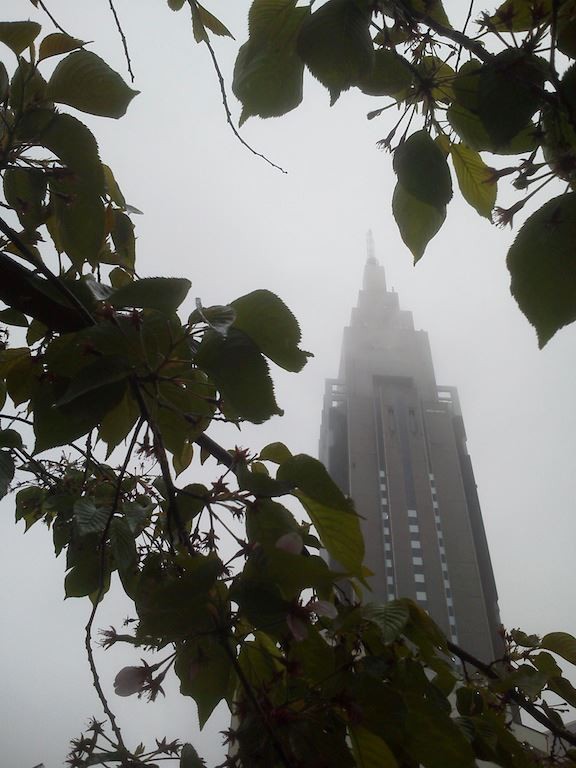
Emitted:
<point x="106" y="367"/>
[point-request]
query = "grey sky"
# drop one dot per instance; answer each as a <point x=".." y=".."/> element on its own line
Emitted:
<point x="222" y="217"/>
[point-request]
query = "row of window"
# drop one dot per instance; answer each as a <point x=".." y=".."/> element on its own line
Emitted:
<point x="443" y="561"/>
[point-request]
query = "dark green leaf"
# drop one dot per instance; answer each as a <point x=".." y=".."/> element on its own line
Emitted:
<point x="6" y="472"/>
<point x="18" y="35"/>
<point x="124" y="552"/>
<point x="56" y="44"/>
<point x="209" y="21"/>
<point x="275" y="452"/>
<point x="370" y="750"/>
<point x="189" y="758"/>
<point x="310" y="476"/>
<point x="432" y="9"/>
<point x="9" y="438"/>
<point x="25" y="191"/>
<point x="390" y="76"/>
<point x="219" y="318"/>
<point x="4" y="83"/>
<point x="564" y="689"/>
<point x="204" y="670"/>
<point x="87" y="578"/>
<point x="95" y="375"/>
<point x="520" y="15"/>
<point x="164" y="294"/>
<point x="83" y="80"/>
<point x="13" y="317"/>
<point x="542" y="265"/>
<point x="422" y="170"/>
<point x="259" y="483"/>
<point x="274" y="329"/>
<point x="418" y="222"/>
<point x="90" y="518"/>
<point x="240" y="373"/>
<point x="509" y="93"/>
<point x="561" y="643"/>
<point x="336" y="46"/>
<point x="123" y="239"/>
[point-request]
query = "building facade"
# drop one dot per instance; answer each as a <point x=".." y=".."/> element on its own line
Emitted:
<point x="394" y="441"/>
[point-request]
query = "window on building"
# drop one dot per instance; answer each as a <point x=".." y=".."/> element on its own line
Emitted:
<point x="388" y="547"/>
<point x="415" y="545"/>
<point x="388" y="563"/>
<point x="386" y="531"/>
<point x="390" y="580"/>
<point x="419" y="578"/>
<point x="391" y="596"/>
<point x="431" y="476"/>
<point x="442" y="552"/>
<point x="449" y="594"/>
<point x="421" y="597"/>
<point x="382" y="473"/>
<point x="412" y="513"/>
<point x="450" y="611"/>
<point x="382" y="486"/>
<point x="452" y="621"/>
<point x="384" y="501"/>
<point x="434" y="504"/>
<point x="417" y="561"/>
<point x="414" y="528"/>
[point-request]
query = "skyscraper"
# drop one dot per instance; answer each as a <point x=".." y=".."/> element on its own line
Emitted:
<point x="395" y="442"/>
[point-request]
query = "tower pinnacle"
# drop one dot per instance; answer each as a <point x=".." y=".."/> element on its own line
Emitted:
<point x="374" y="276"/>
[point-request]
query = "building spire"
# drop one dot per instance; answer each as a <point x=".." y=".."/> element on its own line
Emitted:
<point x="374" y="276"/>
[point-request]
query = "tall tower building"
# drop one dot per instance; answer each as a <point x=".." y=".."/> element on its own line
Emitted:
<point x="395" y="442"/>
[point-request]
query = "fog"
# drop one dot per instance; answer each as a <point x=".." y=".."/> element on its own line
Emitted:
<point x="217" y="214"/>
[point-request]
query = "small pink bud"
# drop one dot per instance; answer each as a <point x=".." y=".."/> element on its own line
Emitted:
<point x="130" y="680"/>
<point x="291" y="543"/>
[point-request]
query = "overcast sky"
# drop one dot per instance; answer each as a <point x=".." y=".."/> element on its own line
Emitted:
<point x="222" y="217"/>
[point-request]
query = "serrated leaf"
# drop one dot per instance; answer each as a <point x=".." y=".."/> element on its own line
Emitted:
<point x="268" y="72"/>
<point x="418" y="222"/>
<point x="57" y="43"/>
<point x="164" y="294"/>
<point x="90" y="518"/>
<point x="85" y="81"/>
<point x="476" y="180"/>
<point x="18" y="35"/>
<point x="336" y="46"/>
<point x="240" y="373"/>
<point x="6" y="472"/>
<point x="25" y="191"/>
<point x="520" y="15"/>
<point x="542" y="266"/>
<point x="422" y="170"/>
<point x="561" y="643"/>
<point x="204" y="671"/>
<point x="370" y="750"/>
<point x="265" y="318"/>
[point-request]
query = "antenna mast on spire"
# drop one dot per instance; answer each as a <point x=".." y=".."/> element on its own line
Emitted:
<point x="370" y="247"/>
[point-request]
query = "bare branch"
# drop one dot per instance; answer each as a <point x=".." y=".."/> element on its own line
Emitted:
<point x="123" y="37"/>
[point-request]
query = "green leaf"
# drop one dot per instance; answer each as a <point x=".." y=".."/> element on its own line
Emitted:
<point x="510" y="87"/>
<point x="390" y="76"/>
<point x="339" y="532"/>
<point x="100" y="373"/>
<point x="268" y="72"/>
<point x="390" y="618"/>
<point x="435" y="741"/>
<point x="84" y="81"/>
<point x="212" y="23"/>
<point x="564" y="689"/>
<point x="4" y="83"/>
<point x="275" y="452"/>
<point x="418" y="222"/>
<point x="122" y="233"/>
<point x="9" y="438"/>
<point x="204" y="670"/>
<point x="164" y="294"/>
<point x="370" y="750"/>
<point x="56" y="44"/>
<point x="265" y="318"/>
<point x="561" y="643"/>
<point x="422" y="170"/>
<point x="88" y="517"/>
<point x="88" y="577"/>
<point x="25" y="191"/>
<point x="476" y="180"/>
<point x="433" y="9"/>
<point x="189" y="758"/>
<point x="18" y="35"/>
<point x="13" y="317"/>
<point x="240" y="373"/>
<point x="124" y="552"/>
<point x="542" y="265"/>
<point x="6" y="472"/>
<point x="310" y="476"/>
<point x="175" y="5"/>
<point x="336" y="46"/>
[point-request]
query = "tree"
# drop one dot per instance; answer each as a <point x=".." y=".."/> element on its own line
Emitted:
<point x="106" y="369"/>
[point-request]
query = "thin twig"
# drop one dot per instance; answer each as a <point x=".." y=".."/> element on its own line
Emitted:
<point x="52" y="19"/>
<point x="88" y="637"/>
<point x="452" y="34"/>
<point x="123" y="37"/>
<point x="514" y="696"/>
<point x="464" y="28"/>
<point x="224" y="95"/>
